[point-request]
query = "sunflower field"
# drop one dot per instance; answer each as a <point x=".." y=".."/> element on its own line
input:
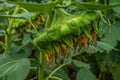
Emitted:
<point x="59" y="39"/>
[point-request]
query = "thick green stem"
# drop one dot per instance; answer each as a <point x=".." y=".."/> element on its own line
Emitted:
<point x="8" y="34"/>
<point x="7" y="44"/>
<point x="12" y="21"/>
<point x="105" y="2"/>
<point x="41" y="68"/>
<point x="2" y="44"/>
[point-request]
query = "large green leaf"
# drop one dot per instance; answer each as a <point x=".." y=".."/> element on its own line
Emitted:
<point x="105" y="46"/>
<point x="20" y="51"/>
<point x="110" y="32"/>
<point x="101" y="47"/>
<point x="85" y="74"/>
<point x="42" y="7"/>
<point x="89" y="6"/>
<point x="11" y="69"/>
<point x="49" y="6"/>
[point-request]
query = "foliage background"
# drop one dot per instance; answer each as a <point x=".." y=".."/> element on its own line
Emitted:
<point x="98" y="62"/>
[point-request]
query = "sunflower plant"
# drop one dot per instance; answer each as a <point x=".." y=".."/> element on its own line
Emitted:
<point x="59" y="39"/>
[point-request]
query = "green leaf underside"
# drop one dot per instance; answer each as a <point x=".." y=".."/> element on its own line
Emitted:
<point x="85" y="74"/>
<point x="37" y="7"/>
<point x="49" y="6"/>
<point x="80" y="64"/>
<point x="115" y="71"/>
<point x="11" y="69"/>
<point x="88" y="6"/>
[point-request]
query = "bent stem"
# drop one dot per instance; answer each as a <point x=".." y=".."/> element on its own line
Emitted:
<point x="56" y="69"/>
<point x="54" y="77"/>
<point x="41" y="68"/>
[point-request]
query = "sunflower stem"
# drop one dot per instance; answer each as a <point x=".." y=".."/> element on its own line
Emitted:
<point x="41" y="68"/>
<point x="8" y="33"/>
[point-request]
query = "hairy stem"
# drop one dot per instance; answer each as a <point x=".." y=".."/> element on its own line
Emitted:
<point x="7" y="44"/>
<point x="2" y="44"/>
<point x="8" y="33"/>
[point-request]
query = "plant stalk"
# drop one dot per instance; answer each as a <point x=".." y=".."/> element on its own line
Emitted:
<point x="41" y="68"/>
<point x="54" y="77"/>
<point x="56" y="69"/>
<point x="7" y="44"/>
<point x="8" y="33"/>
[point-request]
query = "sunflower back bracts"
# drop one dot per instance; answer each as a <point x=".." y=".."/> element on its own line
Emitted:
<point x="77" y="30"/>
